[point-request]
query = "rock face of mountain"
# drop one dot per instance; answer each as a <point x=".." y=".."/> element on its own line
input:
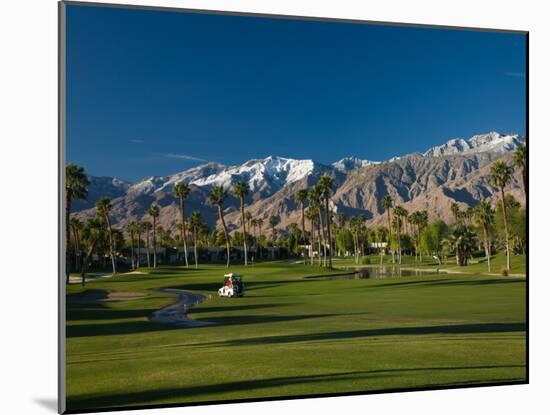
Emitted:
<point x="457" y="171"/>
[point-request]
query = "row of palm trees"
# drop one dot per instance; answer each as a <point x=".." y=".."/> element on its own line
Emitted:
<point x="314" y="205"/>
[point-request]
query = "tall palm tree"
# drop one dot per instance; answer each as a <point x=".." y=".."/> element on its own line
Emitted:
<point x="140" y="228"/>
<point x="195" y="221"/>
<point x="76" y="187"/>
<point x="154" y="212"/>
<point x="103" y="207"/>
<point x="241" y="190"/>
<point x="217" y="196"/>
<point x="314" y="197"/>
<point x="387" y="204"/>
<point x="310" y="215"/>
<point x="484" y="216"/>
<point x="147" y="229"/>
<point x="520" y="161"/>
<point x="92" y="233"/>
<point x="272" y="224"/>
<point x="260" y="224"/>
<point x="325" y="185"/>
<point x="399" y="213"/>
<point x="132" y="229"/>
<point x="300" y="197"/>
<point x="76" y="227"/>
<point x="248" y="217"/>
<point x="455" y="209"/>
<point x="181" y="191"/>
<point x="499" y="177"/>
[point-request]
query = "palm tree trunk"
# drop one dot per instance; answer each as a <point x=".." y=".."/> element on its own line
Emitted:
<point x="312" y="241"/>
<point x="506" y="232"/>
<point x="322" y="234"/>
<point x="304" y="235"/>
<point x="227" y="248"/>
<point x="148" y="248"/>
<point x="154" y="242"/>
<point x="132" y="250"/>
<point x="328" y="234"/>
<point x="183" y="231"/>
<point x="111" y="247"/>
<point x="389" y="243"/>
<point x="398" y="236"/>
<point x="85" y="262"/>
<point x="259" y="242"/>
<point x="486" y="243"/>
<point x="138" y="249"/>
<point x="319" y="233"/>
<point x="195" y="247"/>
<point x="244" y="232"/>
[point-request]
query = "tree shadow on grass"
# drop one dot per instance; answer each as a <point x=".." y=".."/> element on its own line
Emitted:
<point x="394" y="331"/>
<point x="194" y="393"/>
<point x="131" y="327"/>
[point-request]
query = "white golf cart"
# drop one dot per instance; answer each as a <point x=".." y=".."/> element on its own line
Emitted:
<point x="233" y="286"/>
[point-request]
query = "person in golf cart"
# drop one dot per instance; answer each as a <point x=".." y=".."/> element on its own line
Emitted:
<point x="232" y="286"/>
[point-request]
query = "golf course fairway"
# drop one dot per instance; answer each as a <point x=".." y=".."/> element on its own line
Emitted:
<point x="289" y="335"/>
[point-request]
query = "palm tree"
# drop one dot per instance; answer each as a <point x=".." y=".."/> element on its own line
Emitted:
<point x="455" y="209"/>
<point x="103" y="206"/>
<point x="132" y="229"/>
<point x="76" y="227"/>
<point x="140" y="228"/>
<point x="248" y="217"/>
<point x="92" y="233"/>
<point x="260" y="224"/>
<point x="272" y="224"/>
<point x="314" y="197"/>
<point x="217" y="196"/>
<point x="485" y="216"/>
<point x="181" y="191"/>
<point x="76" y="187"/>
<point x="387" y="204"/>
<point x="311" y="214"/>
<point x="399" y="212"/>
<point x="195" y="221"/>
<point x="499" y="177"/>
<point x="520" y="161"/>
<point x="147" y="229"/>
<point x="300" y="197"/>
<point x="154" y="212"/>
<point x="325" y="185"/>
<point x="241" y="190"/>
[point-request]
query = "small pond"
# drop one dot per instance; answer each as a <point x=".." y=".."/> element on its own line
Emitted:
<point x="374" y="273"/>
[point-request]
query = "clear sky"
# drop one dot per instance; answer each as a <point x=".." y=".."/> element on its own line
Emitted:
<point x="154" y="93"/>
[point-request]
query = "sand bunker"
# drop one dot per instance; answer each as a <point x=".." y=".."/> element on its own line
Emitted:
<point x="102" y="296"/>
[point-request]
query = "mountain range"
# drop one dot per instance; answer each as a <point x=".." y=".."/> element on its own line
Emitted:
<point x="456" y="171"/>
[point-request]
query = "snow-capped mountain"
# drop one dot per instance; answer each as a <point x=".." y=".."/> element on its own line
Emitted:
<point x="261" y="175"/>
<point x="264" y="176"/>
<point x="351" y="163"/>
<point x="492" y="141"/>
<point x="110" y="187"/>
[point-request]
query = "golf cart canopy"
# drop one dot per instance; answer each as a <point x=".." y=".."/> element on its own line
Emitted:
<point x="233" y="276"/>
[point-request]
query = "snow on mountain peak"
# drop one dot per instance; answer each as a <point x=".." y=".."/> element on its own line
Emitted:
<point x="491" y="141"/>
<point x="350" y="163"/>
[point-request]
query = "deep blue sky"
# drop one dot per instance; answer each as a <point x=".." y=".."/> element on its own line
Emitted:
<point x="153" y="93"/>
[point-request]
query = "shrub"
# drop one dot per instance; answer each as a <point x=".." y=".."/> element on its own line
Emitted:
<point x="365" y="260"/>
<point x="504" y="271"/>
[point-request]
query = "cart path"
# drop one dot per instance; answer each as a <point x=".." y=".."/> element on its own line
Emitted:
<point x="176" y="314"/>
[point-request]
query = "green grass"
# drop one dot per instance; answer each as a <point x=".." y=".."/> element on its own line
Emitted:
<point x="293" y="336"/>
<point x="475" y="266"/>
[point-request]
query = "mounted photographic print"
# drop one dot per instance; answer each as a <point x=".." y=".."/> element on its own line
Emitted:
<point x="259" y="207"/>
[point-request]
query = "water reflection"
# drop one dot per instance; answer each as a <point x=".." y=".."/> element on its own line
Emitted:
<point x="375" y="273"/>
